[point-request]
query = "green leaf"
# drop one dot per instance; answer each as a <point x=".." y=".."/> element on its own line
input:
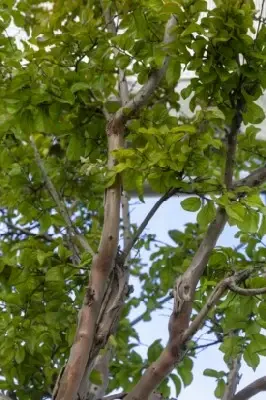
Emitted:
<point x="214" y="113"/>
<point x="175" y="235"/>
<point x="262" y="310"/>
<point x="236" y="211"/>
<point x="192" y="28"/>
<point x="154" y="350"/>
<point x="20" y="354"/>
<point x="186" y="92"/>
<point x="54" y="274"/>
<point x="185" y="371"/>
<point x="211" y="372"/>
<point x="185" y="128"/>
<point x="173" y="72"/>
<point x="254" y="114"/>
<point x="252" y="359"/>
<point x="75" y="149"/>
<point x="220" y="388"/>
<point x="177" y="383"/>
<point x="191" y="204"/>
<point x="95" y="377"/>
<point x="140" y="186"/>
<point x="250" y="221"/>
<point x="41" y="256"/>
<point x="79" y="86"/>
<point x="206" y="214"/>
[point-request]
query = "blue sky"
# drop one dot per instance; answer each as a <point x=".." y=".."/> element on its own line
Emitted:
<point x="172" y="216"/>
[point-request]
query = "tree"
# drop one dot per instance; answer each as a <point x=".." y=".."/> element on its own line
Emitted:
<point x="77" y="137"/>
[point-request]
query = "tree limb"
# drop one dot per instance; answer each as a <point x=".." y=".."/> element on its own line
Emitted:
<point x="60" y="204"/>
<point x="146" y="220"/>
<point x="185" y="288"/>
<point x="103" y="261"/>
<point x="231" y="142"/>
<point x="214" y="297"/>
<point x="259" y="385"/>
<point x="88" y="390"/>
<point x="246" y="292"/>
<point x="254" y="179"/>
<point x="233" y="377"/>
<point x="102" y="265"/>
<point x="28" y="232"/>
<point x="185" y="285"/>
<point x="143" y="95"/>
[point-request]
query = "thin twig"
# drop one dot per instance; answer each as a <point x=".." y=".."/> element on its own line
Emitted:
<point x="60" y="204"/>
<point x="233" y="377"/>
<point x="140" y="317"/>
<point x="206" y="345"/>
<point x="28" y="232"/>
<point x="260" y="18"/>
<point x="147" y="219"/>
<point x="246" y="292"/>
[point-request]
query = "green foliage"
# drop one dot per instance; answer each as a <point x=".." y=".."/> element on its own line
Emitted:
<point x="191" y="204"/>
<point x="56" y="85"/>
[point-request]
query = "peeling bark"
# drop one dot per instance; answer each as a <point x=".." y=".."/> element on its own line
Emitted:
<point x="102" y="265"/>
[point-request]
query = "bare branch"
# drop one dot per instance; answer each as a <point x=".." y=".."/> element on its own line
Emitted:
<point x="185" y="289"/>
<point x="147" y="219"/>
<point x="214" y="297"/>
<point x="60" y="204"/>
<point x="233" y="377"/>
<point x="259" y="385"/>
<point x="95" y="391"/>
<point x="179" y="334"/>
<point x="260" y="18"/>
<point x="126" y="222"/>
<point x="231" y="143"/>
<point x="102" y="265"/>
<point x="246" y="292"/>
<point x="206" y="345"/>
<point x="185" y="285"/>
<point x="28" y="232"/>
<point x="254" y="179"/>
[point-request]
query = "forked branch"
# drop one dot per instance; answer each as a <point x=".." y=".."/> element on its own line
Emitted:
<point x="69" y="382"/>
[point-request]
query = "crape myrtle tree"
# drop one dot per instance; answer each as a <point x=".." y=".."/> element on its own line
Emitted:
<point x="90" y="114"/>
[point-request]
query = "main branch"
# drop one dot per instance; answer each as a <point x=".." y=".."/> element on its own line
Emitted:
<point x="102" y="264"/>
<point x="252" y="389"/>
<point x="186" y="285"/>
<point x="69" y="382"/>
